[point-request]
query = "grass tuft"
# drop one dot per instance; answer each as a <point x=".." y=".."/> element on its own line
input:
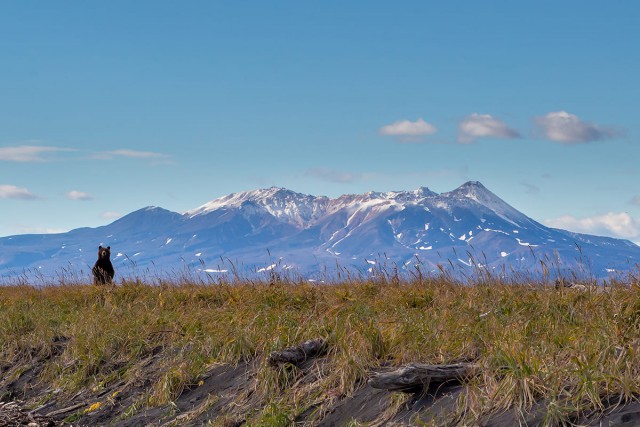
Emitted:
<point x="575" y="352"/>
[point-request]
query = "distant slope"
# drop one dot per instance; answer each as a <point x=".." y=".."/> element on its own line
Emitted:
<point x="275" y="229"/>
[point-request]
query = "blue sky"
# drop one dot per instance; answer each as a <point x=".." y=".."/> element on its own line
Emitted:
<point x="107" y="107"/>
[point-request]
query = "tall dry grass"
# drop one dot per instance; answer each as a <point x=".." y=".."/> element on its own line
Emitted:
<point x="574" y="351"/>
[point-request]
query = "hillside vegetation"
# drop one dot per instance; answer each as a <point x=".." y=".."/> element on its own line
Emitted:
<point x="196" y="354"/>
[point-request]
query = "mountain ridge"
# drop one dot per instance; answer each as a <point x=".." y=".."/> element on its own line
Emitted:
<point x="276" y="229"/>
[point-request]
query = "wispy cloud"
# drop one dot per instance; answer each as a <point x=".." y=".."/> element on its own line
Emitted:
<point x="43" y="153"/>
<point x="111" y="215"/>
<point x="13" y="192"/>
<point x="28" y="153"/>
<point x="131" y="154"/>
<point x="28" y="229"/>
<point x="408" y="131"/>
<point x="635" y="200"/>
<point x="567" y="128"/>
<point x="482" y="126"/>
<point x="614" y="224"/>
<point x="78" y="195"/>
<point x="530" y="188"/>
<point x="332" y="175"/>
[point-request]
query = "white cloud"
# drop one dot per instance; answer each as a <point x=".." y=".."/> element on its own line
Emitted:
<point x="481" y="126"/>
<point x="27" y="153"/>
<point x="38" y="153"/>
<point x="408" y="131"/>
<point x="79" y="195"/>
<point x="13" y="192"/>
<point x="567" y="128"/>
<point x="111" y="215"/>
<point x="336" y="176"/>
<point x="132" y="154"/>
<point x="613" y="224"/>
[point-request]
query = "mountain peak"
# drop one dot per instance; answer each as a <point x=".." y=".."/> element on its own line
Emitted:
<point x="285" y="204"/>
<point x="425" y="192"/>
<point x="280" y="192"/>
<point x="148" y="210"/>
<point x="474" y="190"/>
<point x="472" y="184"/>
<point x="408" y="196"/>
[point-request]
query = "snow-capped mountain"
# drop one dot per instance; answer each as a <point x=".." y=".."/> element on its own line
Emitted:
<point x="466" y="230"/>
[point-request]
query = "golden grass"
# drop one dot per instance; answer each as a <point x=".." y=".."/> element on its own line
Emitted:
<point x="574" y="351"/>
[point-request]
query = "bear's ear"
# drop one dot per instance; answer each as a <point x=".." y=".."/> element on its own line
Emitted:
<point x="109" y="247"/>
<point x="99" y="247"/>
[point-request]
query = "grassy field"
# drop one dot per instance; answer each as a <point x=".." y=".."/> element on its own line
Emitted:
<point x="571" y="352"/>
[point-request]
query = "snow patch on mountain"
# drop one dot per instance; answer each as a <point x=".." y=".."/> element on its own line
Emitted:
<point x="315" y="235"/>
<point x="283" y="204"/>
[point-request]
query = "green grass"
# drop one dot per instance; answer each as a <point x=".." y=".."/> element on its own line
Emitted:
<point x="571" y="350"/>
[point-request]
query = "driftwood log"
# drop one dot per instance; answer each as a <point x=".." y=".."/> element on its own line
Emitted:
<point x="299" y="353"/>
<point x="67" y="409"/>
<point x="418" y="376"/>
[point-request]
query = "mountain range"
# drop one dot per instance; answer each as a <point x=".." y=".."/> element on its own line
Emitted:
<point x="275" y="230"/>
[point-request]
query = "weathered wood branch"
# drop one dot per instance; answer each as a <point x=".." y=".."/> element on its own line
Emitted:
<point x="417" y="376"/>
<point x="67" y="409"/>
<point x="299" y="353"/>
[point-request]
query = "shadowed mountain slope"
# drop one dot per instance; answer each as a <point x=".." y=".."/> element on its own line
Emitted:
<point x="466" y="230"/>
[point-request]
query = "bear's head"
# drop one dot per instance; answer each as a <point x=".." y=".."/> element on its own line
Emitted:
<point x="104" y="253"/>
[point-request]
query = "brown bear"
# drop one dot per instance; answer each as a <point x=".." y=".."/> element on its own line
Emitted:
<point x="103" y="271"/>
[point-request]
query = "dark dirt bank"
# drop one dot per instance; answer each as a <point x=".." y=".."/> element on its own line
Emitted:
<point x="226" y="395"/>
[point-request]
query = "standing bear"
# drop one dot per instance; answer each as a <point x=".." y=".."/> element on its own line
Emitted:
<point x="103" y="271"/>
